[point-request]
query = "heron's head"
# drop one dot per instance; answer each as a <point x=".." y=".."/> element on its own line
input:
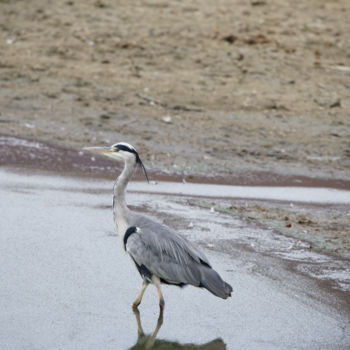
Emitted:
<point x="121" y="151"/>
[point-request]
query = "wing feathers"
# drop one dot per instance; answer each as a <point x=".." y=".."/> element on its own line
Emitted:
<point x="212" y="281"/>
<point x="173" y="259"/>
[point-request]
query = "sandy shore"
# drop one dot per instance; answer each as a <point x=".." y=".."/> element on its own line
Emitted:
<point x="201" y="87"/>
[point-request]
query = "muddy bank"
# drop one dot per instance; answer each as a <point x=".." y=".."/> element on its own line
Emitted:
<point x="34" y="154"/>
<point x="314" y="216"/>
<point x="200" y="88"/>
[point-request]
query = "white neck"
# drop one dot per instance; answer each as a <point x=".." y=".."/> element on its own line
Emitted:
<point x="120" y="209"/>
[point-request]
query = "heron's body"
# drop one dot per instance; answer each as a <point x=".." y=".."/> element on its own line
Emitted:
<point x="159" y="253"/>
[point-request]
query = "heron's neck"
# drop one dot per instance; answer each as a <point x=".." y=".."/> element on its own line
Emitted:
<point x="120" y="209"/>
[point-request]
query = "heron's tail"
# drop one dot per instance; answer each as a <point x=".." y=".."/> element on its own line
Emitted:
<point x="212" y="281"/>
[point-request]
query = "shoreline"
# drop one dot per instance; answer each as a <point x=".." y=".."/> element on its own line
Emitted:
<point x="79" y="163"/>
<point x="324" y="226"/>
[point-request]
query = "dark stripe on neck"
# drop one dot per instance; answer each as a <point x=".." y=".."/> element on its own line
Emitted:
<point x="128" y="233"/>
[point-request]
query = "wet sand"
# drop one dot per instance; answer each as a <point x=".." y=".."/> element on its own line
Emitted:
<point x="66" y="282"/>
<point x="49" y="157"/>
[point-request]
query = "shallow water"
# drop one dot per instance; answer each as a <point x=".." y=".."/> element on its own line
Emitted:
<point x="288" y="194"/>
<point x="65" y="281"/>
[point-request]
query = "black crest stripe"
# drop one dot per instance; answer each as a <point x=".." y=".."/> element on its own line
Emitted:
<point x="138" y="159"/>
<point x="125" y="148"/>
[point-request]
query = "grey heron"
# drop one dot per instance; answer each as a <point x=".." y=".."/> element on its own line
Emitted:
<point x="160" y="254"/>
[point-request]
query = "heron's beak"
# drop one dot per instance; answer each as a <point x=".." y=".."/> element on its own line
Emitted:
<point x="103" y="150"/>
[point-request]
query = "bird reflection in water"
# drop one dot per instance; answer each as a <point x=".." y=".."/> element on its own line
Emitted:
<point x="146" y="342"/>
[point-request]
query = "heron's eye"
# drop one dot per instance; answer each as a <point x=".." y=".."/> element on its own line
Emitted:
<point x="115" y="149"/>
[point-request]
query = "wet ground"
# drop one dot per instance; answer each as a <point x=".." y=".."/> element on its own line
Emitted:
<point x="308" y="208"/>
<point x="66" y="282"/>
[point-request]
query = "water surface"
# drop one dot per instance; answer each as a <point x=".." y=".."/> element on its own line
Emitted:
<point x="65" y="282"/>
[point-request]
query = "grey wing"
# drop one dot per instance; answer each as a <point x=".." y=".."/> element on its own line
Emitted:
<point x="165" y="258"/>
<point x="168" y="241"/>
<point x="173" y="258"/>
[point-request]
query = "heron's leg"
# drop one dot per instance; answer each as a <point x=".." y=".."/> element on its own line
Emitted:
<point x="151" y="340"/>
<point x="156" y="282"/>
<point x="138" y="320"/>
<point x="137" y="302"/>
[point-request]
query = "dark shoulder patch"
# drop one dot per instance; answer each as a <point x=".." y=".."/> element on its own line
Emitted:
<point x="128" y="233"/>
